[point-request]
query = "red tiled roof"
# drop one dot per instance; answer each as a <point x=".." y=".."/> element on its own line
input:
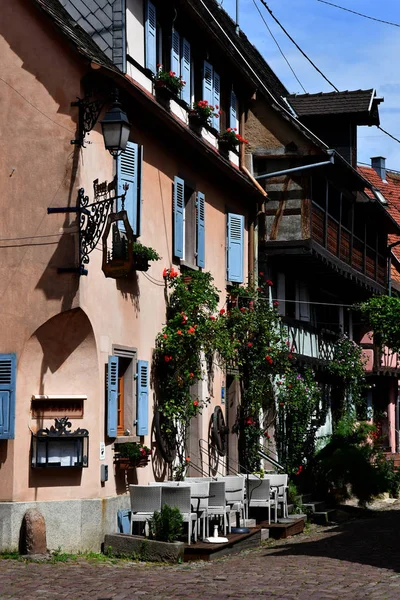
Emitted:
<point x="390" y="188"/>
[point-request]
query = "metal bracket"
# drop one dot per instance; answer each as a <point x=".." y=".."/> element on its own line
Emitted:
<point x="91" y="219"/>
<point x="89" y="112"/>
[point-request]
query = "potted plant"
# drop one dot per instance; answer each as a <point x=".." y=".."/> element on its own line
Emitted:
<point x="142" y="255"/>
<point x="167" y="84"/>
<point x="130" y="455"/>
<point x="201" y="114"/>
<point x="229" y="140"/>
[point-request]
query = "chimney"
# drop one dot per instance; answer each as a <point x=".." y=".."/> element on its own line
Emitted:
<point x="379" y="165"/>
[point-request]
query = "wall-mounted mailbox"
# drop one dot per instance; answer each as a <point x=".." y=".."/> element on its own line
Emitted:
<point x="56" y="447"/>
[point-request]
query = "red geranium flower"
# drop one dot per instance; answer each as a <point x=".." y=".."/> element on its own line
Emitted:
<point x="165" y="273"/>
<point x="276" y="303"/>
<point x="299" y="470"/>
<point x="191" y="330"/>
<point x="222" y="311"/>
<point x="179" y="332"/>
<point x="188" y="459"/>
<point x="165" y="336"/>
<point x="269" y="282"/>
<point x="249" y="345"/>
<point x="191" y="374"/>
<point x="196" y="403"/>
<point x="212" y="318"/>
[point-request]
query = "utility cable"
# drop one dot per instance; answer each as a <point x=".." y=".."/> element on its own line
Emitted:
<point x="359" y="14"/>
<point x="279" y="48"/>
<point x="389" y="134"/>
<point x="297" y="46"/>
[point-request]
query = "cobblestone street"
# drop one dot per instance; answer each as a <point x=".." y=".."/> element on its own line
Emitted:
<point x="358" y="559"/>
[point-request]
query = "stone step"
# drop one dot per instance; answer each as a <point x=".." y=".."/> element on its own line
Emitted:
<point x="304" y="498"/>
<point x="323" y="517"/>
<point x="315" y="506"/>
<point x="296" y="516"/>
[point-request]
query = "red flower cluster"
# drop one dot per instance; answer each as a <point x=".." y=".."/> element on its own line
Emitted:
<point x="269" y="282"/>
<point x="269" y="359"/>
<point x="167" y="358"/>
<point x="169" y="273"/>
<point x="276" y="303"/>
<point x="195" y="403"/>
<point x="191" y="330"/>
<point x="222" y="311"/>
<point x="212" y="318"/>
<point x="299" y="470"/>
<point x="243" y="309"/>
<point x="249" y="421"/>
<point x="249" y="345"/>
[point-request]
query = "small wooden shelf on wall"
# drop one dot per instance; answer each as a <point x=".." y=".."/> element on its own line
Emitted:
<point x="52" y="406"/>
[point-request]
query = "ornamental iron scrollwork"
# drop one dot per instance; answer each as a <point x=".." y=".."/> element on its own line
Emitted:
<point x="60" y="429"/>
<point x="89" y="111"/>
<point x="92" y="218"/>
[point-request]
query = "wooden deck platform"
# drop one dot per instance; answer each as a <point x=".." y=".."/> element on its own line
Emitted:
<point x="238" y="542"/>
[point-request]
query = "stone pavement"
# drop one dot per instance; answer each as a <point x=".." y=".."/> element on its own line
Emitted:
<point x="359" y="559"/>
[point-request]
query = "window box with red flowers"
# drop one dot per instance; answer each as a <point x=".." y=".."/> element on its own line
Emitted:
<point x="167" y="84"/>
<point x="131" y="455"/>
<point x="229" y="140"/>
<point x="200" y="115"/>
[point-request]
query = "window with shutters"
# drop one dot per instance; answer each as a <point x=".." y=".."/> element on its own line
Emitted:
<point x="129" y="171"/>
<point x="125" y="394"/>
<point x="235" y="248"/>
<point x="7" y="395"/>
<point x="189" y="224"/>
<point x="181" y="63"/>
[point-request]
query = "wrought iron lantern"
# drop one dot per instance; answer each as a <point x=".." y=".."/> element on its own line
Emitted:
<point x="56" y="447"/>
<point x="116" y="128"/>
<point x="117" y="247"/>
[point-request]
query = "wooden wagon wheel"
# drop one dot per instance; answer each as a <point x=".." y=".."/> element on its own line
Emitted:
<point x="166" y="440"/>
<point x="219" y="431"/>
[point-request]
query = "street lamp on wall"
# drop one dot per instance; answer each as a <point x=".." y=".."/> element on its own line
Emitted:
<point x="115" y="125"/>
<point x="116" y="128"/>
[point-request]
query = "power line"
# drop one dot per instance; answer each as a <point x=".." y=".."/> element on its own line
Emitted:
<point x="279" y="48"/>
<point x="359" y="14"/>
<point x="297" y="46"/>
<point x="389" y="134"/>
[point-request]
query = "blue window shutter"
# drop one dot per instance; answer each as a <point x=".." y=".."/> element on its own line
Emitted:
<point x="186" y="70"/>
<point x="179" y="208"/>
<point x="151" y="37"/>
<point x="235" y="254"/>
<point x="200" y="256"/>
<point x="124" y="520"/>
<point x="112" y="396"/>
<point x="143" y="398"/>
<point x="216" y="98"/>
<point x="233" y="114"/>
<point x="208" y="78"/>
<point x="176" y="53"/>
<point x="139" y="203"/>
<point x="8" y="368"/>
<point x="128" y="172"/>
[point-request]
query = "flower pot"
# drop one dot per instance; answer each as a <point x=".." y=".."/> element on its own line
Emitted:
<point x="225" y="146"/>
<point x="124" y="462"/>
<point x="140" y="263"/>
<point x="196" y="122"/>
<point x="164" y="93"/>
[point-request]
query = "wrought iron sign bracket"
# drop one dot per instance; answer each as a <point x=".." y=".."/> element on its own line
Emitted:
<point x="92" y="219"/>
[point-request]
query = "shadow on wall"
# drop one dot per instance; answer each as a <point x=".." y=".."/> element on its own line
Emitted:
<point x="129" y="289"/>
<point x="61" y="359"/>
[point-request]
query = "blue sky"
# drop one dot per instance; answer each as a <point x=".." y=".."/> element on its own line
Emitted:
<point x="351" y="51"/>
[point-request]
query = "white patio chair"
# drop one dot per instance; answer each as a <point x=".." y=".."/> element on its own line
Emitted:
<point x="144" y="501"/>
<point x="199" y="495"/>
<point x="235" y="493"/>
<point x="279" y="483"/>
<point x="217" y="505"/>
<point x="260" y="496"/>
<point x="179" y="496"/>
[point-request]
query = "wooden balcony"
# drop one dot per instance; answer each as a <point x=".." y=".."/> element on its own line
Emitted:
<point x="342" y="243"/>
<point x="309" y="342"/>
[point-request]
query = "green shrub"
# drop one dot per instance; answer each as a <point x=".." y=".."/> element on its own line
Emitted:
<point x="351" y="464"/>
<point x="166" y="525"/>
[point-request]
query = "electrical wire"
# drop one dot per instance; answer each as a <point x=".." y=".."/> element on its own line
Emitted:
<point x="279" y="48"/>
<point x="35" y="107"/>
<point x="297" y="46"/>
<point x="389" y="134"/>
<point x="359" y="14"/>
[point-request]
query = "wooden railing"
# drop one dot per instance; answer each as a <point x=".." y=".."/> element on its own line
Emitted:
<point x="306" y="340"/>
<point x="343" y="244"/>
